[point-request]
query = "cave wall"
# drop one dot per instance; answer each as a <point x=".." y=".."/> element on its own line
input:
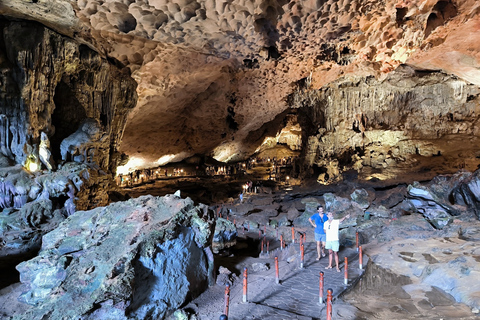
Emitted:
<point x="50" y="84"/>
<point x="423" y="123"/>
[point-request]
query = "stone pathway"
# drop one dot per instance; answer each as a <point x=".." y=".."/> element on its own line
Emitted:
<point x="297" y="294"/>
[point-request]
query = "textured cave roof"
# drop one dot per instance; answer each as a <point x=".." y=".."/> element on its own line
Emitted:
<point x="210" y="72"/>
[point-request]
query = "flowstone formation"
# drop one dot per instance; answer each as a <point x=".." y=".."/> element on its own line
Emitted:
<point x="139" y="259"/>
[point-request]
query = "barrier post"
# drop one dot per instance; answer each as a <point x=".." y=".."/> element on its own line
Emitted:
<point x="356" y="239"/>
<point x="329" y="304"/>
<point x="268" y="246"/>
<point x="281" y="242"/>
<point x="227" y="299"/>
<point x="302" y="255"/>
<point x="360" y="257"/>
<point x="277" y="278"/>
<point x="320" y="299"/>
<point x="293" y="235"/>
<point x="346" y="271"/>
<point x="244" y="285"/>
<point x="265" y="231"/>
<point x="261" y="250"/>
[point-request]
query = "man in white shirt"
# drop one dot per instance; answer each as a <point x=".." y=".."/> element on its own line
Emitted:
<point x="331" y="227"/>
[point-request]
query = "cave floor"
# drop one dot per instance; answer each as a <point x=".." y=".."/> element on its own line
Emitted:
<point x="296" y="296"/>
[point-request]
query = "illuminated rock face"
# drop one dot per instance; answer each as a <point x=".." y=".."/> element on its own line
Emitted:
<point x="215" y="76"/>
<point x="414" y="122"/>
<point x="50" y="84"/>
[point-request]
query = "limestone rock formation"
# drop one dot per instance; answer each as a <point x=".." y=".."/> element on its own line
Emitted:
<point x="50" y="84"/>
<point x="140" y="259"/>
<point x="34" y="204"/>
<point x="225" y="235"/>
<point x="217" y="77"/>
<point x="410" y="123"/>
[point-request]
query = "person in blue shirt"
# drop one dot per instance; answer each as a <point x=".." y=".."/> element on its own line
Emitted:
<point x="317" y="220"/>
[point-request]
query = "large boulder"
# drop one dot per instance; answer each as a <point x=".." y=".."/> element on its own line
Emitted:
<point x="467" y="192"/>
<point x="139" y="259"/>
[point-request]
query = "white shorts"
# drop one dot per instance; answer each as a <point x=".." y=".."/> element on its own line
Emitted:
<point x="333" y="245"/>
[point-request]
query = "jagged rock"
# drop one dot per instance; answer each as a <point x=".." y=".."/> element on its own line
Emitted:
<point x="361" y="198"/>
<point x="81" y="144"/>
<point x="292" y="213"/>
<point x="160" y="263"/>
<point x="225" y="235"/>
<point x="251" y="225"/>
<point x="391" y="197"/>
<point x="281" y="221"/>
<point x="258" y="266"/>
<point x="341" y="206"/>
<point x="311" y="205"/>
<point x="439" y="218"/>
<point x="425" y="199"/>
<point x="380" y="212"/>
<point x="467" y="192"/>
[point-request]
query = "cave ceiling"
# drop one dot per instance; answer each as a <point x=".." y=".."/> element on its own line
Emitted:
<point x="213" y="74"/>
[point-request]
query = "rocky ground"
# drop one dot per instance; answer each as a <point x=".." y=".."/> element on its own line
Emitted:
<point x="415" y="270"/>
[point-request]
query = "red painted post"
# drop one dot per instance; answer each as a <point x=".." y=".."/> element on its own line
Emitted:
<point x="360" y="257"/>
<point x="356" y="239"/>
<point x="320" y="299"/>
<point x="346" y="271"/>
<point x="244" y="285"/>
<point x="277" y="278"/>
<point x="293" y="235"/>
<point x="234" y="222"/>
<point x="227" y="299"/>
<point x="265" y="231"/>
<point x="261" y="250"/>
<point x="302" y="254"/>
<point x="281" y="242"/>
<point x="329" y="304"/>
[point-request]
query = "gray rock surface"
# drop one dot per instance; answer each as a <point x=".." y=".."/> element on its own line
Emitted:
<point x="134" y="260"/>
